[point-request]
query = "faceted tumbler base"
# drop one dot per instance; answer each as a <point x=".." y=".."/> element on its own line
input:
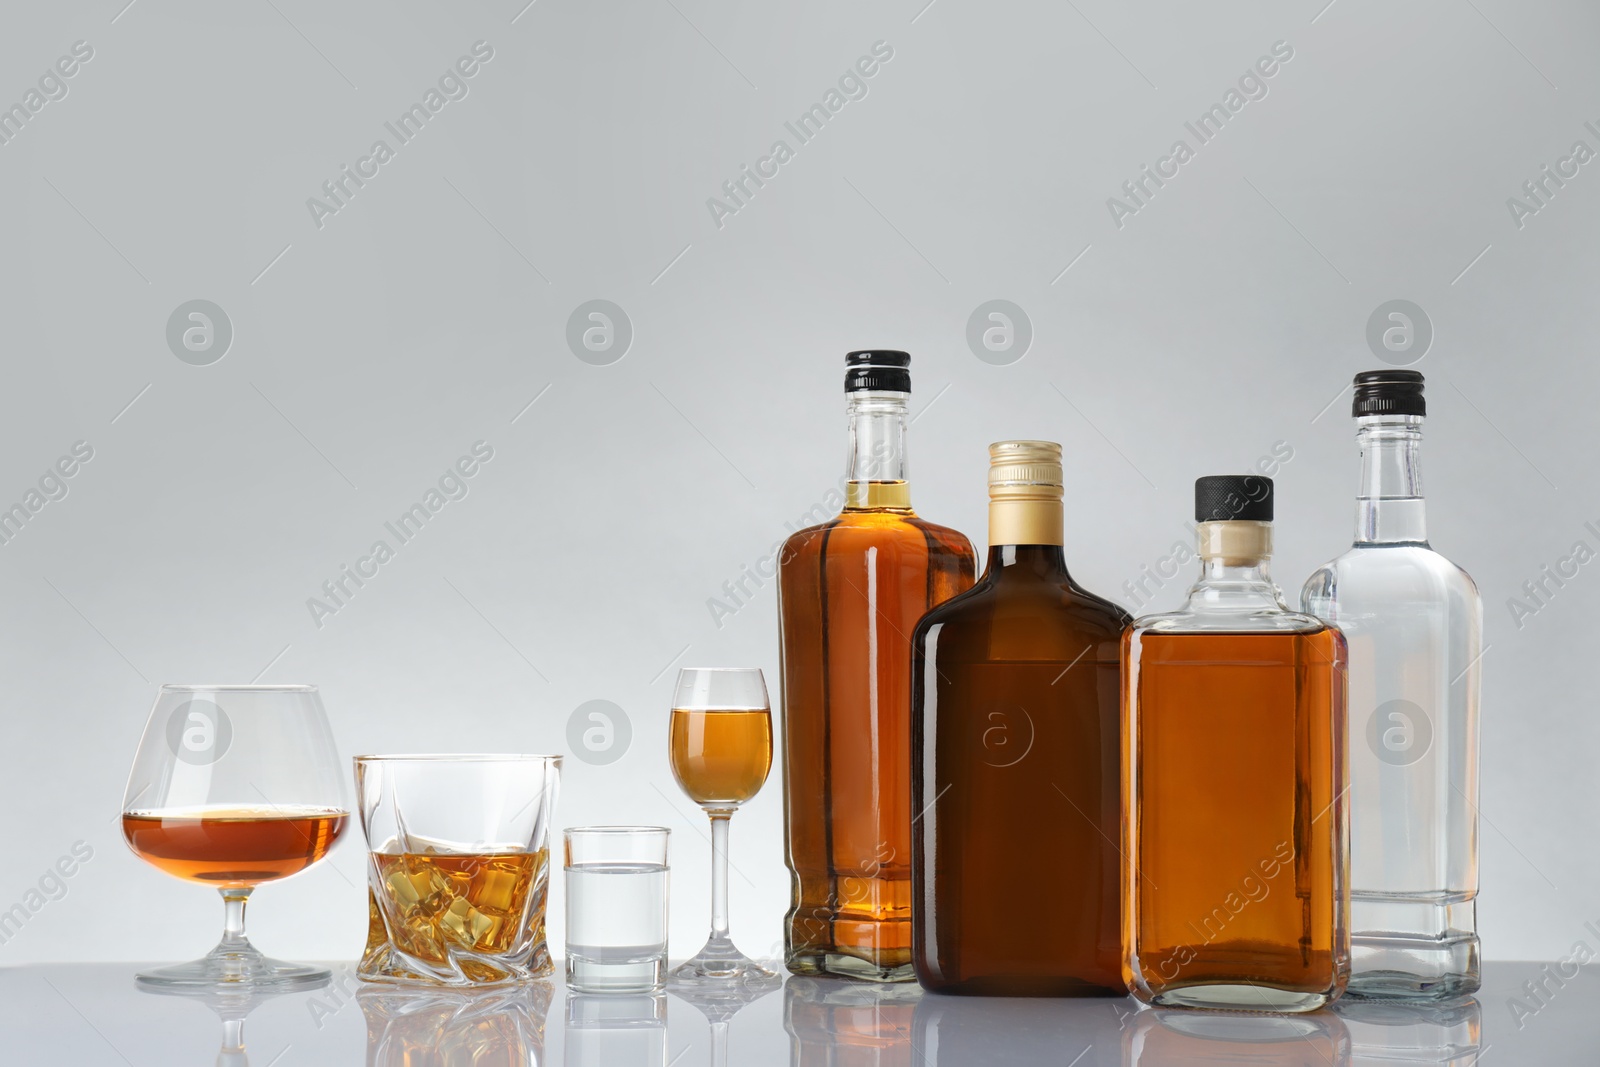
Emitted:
<point x="238" y="967"/>
<point x="720" y="965"/>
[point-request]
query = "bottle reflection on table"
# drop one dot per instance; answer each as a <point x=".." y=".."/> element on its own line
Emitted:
<point x="834" y="1023"/>
<point x="1409" y="1034"/>
<point x="232" y="1007"/>
<point x="958" y="1031"/>
<point x="494" y="1026"/>
<point x="1168" y="1037"/>
<point x="606" y="1029"/>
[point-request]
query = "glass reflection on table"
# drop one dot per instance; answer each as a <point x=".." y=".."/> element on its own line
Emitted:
<point x="719" y="1003"/>
<point x="499" y="1025"/>
<point x="232" y="1005"/>
<point x="610" y="1029"/>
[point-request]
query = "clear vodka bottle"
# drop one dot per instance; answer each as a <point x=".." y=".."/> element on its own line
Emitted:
<point x="1413" y="623"/>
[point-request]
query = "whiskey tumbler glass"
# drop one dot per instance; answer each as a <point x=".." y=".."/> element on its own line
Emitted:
<point x="459" y="867"/>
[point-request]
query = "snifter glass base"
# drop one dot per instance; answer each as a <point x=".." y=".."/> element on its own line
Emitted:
<point x="236" y="965"/>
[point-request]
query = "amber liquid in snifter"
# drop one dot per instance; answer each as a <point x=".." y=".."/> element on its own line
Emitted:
<point x="721" y="756"/>
<point x="233" y="848"/>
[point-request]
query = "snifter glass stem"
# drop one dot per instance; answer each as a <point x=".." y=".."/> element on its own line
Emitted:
<point x="233" y="936"/>
<point x="235" y="960"/>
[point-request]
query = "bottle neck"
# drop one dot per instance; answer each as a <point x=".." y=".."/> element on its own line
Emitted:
<point x="1048" y="562"/>
<point x="1389" y="504"/>
<point x="1024" y="517"/>
<point x="875" y="471"/>
<point x="1235" y="575"/>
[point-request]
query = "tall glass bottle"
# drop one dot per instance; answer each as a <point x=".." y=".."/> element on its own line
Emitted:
<point x="849" y="592"/>
<point x="1016" y="784"/>
<point x="1236" y="836"/>
<point x="1414" y="623"/>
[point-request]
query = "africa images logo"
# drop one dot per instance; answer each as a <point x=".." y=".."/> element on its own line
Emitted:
<point x="1399" y="732"/>
<point x="199" y="732"/>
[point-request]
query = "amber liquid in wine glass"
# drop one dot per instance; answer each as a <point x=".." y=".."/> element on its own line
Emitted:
<point x="720" y="750"/>
<point x="721" y="758"/>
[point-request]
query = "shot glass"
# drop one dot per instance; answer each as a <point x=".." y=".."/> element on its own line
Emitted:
<point x="616" y="908"/>
<point x="459" y="867"/>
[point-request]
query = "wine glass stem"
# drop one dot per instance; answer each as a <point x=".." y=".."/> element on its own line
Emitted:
<point x="719" y="874"/>
<point x="719" y="1044"/>
<point x="233" y="902"/>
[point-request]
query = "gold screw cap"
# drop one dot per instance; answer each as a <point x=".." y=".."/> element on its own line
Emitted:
<point x="1030" y="468"/>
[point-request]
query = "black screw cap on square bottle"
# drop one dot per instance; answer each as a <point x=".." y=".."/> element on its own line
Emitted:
<point x="879" y="369"/>
<point x="1389" y="392"/>
<point x="1233" y="498"/>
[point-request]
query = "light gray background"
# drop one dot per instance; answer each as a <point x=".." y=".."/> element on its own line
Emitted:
<point x="430" y="312"/>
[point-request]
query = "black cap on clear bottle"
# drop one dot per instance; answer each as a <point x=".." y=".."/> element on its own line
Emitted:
<point x="1233" y="498"/>
<point x="878" y="370"/>
<point x="1389" y="392"/>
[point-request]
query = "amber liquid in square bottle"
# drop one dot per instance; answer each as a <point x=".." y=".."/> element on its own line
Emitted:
<point x="1016" y="747"/>
<point x="1237" y="833"/>
<point x="850" y="592"/>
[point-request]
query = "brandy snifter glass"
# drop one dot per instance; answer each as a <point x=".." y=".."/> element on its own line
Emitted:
<point x="233" y="786"/>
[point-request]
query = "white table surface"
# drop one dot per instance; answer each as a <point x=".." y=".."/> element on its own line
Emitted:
<point x="94" y="1014"/>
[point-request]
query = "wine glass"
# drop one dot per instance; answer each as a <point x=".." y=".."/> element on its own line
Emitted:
<point x="235" y="785"/>
<point x="721" y="751"/>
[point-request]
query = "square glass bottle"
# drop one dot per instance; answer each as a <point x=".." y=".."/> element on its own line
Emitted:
<point x="1235" y="832"/>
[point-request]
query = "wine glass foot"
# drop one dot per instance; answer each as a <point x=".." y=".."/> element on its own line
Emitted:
<point x="719" y="965"/>
<point x="236" y="966"/>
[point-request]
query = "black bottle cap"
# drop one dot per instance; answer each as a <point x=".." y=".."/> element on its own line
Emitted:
<point x="879" y="370"/>
<point x="1389" y="392"/>
<point x="1233" y="498"/>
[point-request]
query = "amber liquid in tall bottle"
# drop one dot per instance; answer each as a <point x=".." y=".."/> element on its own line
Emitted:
<point x="1016" y="748"/>
<point x="850" y="592"/>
